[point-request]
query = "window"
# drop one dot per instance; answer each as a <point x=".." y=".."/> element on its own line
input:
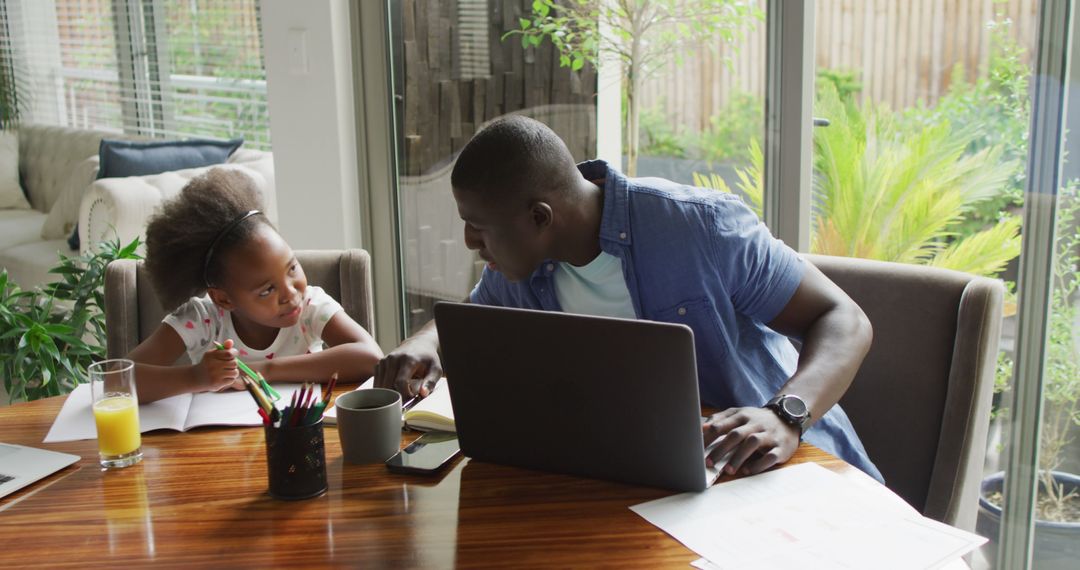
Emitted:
<point x="458" y="73"/>
<point x="158" y="68"/>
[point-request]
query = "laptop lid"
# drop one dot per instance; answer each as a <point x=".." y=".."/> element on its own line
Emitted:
<point x="21" y="466"/>
<point x="592" y="396"/>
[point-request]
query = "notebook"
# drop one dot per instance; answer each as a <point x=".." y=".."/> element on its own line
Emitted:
<point x="433" y="413"/>
<point x="597" y="397"/>
<point x="21" y="466"/>
<point x="181" y="413"/>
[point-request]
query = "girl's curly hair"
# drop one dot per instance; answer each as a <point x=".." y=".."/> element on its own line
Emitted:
<point x="179" y="236"/>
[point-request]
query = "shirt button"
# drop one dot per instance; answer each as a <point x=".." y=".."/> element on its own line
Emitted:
<point x="622" y="235"/>
<point x="681" y="311"/>
<point x="551" y="267"/>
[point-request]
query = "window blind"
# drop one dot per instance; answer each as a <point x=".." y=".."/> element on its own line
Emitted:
<point x="157" y="68"/>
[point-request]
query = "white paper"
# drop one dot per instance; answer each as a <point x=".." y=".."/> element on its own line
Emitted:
<point x="182" y="412"/>
<point x="438" y="403"/>
<point x="805" y="516"/>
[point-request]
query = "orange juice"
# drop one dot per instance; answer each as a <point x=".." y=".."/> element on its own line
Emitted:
<point x="117" y="419"/>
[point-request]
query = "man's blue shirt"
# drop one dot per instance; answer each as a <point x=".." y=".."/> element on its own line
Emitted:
<point x="700" y="258"/>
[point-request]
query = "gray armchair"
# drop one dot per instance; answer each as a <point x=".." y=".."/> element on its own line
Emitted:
<point x="133" y="312"/>
<point x="921" y="400"/>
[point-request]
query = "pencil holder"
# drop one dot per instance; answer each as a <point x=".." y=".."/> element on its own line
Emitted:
<point x="296" y="461"/>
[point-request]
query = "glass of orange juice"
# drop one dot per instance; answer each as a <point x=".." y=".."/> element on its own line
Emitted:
<point x="116" y="412"/>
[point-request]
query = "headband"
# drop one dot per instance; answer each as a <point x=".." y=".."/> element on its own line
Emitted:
<point x="221" y="235"/>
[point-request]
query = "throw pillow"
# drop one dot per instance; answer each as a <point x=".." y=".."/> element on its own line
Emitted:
<point x="11" y="194"/>
<point x="131" y="158"/>
<point x="65" y="211"/>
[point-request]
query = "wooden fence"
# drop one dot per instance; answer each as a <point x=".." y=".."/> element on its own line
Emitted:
<point x="459" y="73"/>
<point x="902" y="51"/>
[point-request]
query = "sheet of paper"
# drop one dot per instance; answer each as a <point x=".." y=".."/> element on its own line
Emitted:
<point x="437" y="403"/>
<point x="806" y="516"/>
<point x="76" y="419"/>
<point x="233" y="408"/>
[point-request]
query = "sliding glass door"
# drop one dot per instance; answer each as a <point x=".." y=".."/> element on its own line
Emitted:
<point x="454" y="71"/>
<point x="902" y="84"/>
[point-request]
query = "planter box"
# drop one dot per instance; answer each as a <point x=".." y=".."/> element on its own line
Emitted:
<point x="1057" y="545"/>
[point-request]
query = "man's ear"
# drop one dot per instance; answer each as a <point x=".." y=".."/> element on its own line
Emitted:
<point x="220" y="298"/>
<point x="541" y="213"/>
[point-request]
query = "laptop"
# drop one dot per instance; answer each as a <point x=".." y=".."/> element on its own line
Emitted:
<point x="597" y="397"/>
<point x="21" y="466"/>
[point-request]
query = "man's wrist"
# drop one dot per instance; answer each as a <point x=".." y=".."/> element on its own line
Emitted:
<point x="792" y="410"/>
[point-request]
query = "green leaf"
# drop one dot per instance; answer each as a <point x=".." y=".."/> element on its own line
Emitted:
<point x="578" y="64"/>
<point x="525" y="23"/>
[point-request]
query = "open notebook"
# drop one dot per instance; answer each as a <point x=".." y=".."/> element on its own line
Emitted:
<point x="433" y="413"/>
<point x="181" y="413"/>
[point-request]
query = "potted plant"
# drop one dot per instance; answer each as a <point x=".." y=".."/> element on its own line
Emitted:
<point x="49" y="335"/>
<point x="1057" y="511"/>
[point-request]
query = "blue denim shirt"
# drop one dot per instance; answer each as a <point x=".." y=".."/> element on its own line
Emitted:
<point x="700" y="258"/>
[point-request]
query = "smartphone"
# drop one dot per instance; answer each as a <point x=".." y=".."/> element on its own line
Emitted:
<point x="426" y="455"/>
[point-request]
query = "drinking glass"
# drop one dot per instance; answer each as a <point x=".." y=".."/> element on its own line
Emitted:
<point x="116" y="412"/>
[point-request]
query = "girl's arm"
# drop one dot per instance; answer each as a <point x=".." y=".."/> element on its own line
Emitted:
<point x="352" y="353"/>
<point x="156" y="377"/>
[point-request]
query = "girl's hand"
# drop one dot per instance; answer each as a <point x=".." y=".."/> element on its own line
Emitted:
<point x="217" y="370"/>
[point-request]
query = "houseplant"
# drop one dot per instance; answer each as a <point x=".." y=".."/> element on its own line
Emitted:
<point x="49" y="335"/>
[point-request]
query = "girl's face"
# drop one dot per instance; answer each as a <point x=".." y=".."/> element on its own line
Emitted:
<point x="263" y="281"/>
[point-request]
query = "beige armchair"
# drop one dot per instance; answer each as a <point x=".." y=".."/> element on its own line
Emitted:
<point x="133" y="311"/>
<point x="921" y="400"/>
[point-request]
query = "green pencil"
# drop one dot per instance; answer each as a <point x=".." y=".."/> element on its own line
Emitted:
<point x="255" y="377"/>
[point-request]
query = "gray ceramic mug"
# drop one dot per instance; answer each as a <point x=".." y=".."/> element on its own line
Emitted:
<point x="369" y="424"/>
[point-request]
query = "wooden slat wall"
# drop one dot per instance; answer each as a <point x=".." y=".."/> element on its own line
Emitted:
<point x="903" y="51"/>
<point x="453" y="86"/>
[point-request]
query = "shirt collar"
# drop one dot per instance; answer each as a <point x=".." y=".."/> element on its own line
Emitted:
<point x="615" y="220"/>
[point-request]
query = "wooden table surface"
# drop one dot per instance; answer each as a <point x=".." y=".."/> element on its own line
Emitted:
<point x="199" y="498"/>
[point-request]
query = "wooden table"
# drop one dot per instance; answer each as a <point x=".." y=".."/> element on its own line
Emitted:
<point x="199" y="498"/>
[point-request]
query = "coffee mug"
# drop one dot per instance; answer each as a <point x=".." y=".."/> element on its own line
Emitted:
<point x="369" y="424"/>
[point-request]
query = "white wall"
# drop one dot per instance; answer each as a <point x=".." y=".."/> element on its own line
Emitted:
<point x="312" y="121"/>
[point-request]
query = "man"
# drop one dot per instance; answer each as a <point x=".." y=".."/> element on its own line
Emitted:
<point x="585" y="239"/>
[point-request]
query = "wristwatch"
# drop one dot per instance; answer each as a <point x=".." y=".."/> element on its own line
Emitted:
<point x="791" y="409"/>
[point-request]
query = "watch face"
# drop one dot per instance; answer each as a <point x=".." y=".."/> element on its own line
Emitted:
<point x="794" y="407"/>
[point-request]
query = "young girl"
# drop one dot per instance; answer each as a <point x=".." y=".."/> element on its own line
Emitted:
<point x="214" y="257"/>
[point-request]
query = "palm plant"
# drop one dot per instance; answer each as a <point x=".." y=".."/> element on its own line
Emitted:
<point x="887" y="193"/>
<point x="750" y="185"/>
<point x="884" y="192"/>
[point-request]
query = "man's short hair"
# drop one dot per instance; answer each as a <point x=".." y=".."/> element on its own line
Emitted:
<point x="514" y="156"/>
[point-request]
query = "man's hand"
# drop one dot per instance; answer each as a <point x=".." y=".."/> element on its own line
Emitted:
<point x="412" y="368"/>
<point x="217" y="370"/>
<point x="755" y="434"/>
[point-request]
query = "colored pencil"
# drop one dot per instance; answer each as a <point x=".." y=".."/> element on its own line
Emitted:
<point x="255" y="376"/>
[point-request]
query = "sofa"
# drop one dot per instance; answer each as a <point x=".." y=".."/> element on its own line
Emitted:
<point x="58" y="169"/>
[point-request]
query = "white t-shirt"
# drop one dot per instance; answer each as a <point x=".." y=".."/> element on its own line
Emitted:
<point x="200" y="323"/>
<point x="596" y="288"/>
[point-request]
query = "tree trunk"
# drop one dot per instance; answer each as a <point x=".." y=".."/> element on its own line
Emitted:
<point x="633" y="89"/>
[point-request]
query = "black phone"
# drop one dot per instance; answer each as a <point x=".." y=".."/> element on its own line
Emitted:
<point x="426" y="455"/>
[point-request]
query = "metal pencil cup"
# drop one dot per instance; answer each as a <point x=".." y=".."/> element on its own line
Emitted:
<point x="296" y="461"/>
